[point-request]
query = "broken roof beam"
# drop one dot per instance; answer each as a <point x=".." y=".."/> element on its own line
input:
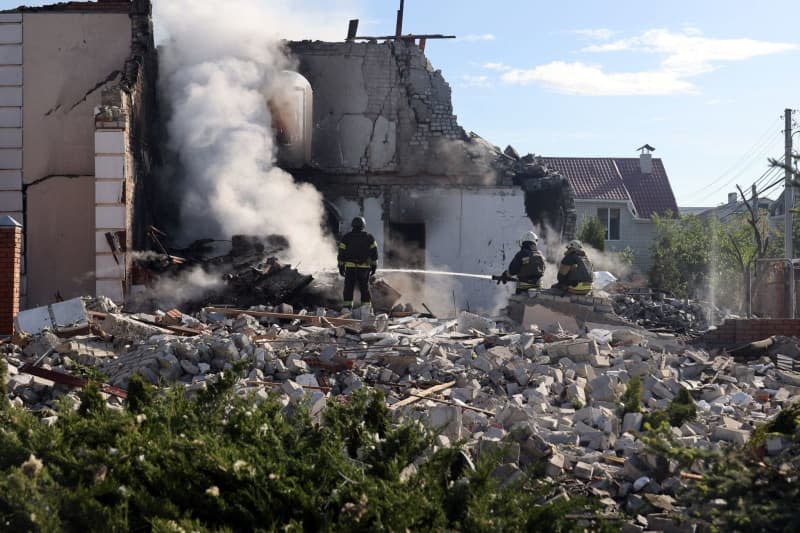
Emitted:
<point x="409" y="37"/>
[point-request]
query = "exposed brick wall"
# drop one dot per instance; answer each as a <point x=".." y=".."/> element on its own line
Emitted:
<point x="740" y="331"/>
<point x="10" y="254"/>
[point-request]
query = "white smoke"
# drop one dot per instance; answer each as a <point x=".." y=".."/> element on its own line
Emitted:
<point x="219" y="60"/>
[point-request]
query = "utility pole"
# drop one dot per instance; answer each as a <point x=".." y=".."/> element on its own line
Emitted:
<point x="788" y="192"/>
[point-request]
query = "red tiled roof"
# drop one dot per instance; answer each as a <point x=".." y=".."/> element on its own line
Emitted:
<point x="618" y="178"/>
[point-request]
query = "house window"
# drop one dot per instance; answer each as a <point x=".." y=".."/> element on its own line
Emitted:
<point x="609" y="218"/>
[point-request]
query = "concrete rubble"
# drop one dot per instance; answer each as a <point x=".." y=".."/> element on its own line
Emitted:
<point x="481" y="381"/>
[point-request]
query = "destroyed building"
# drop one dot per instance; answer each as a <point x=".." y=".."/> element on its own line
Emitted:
<point x="77" y="101"/>
<point x="386" y="145"/>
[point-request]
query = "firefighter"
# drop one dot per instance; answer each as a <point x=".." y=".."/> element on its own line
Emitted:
<point x="358" y="261"/>
<point x="527" y="265"/>
<point x="575" y="271"/>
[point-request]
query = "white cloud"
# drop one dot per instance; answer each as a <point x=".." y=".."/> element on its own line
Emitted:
<point x="471" y="38"/>
<point x="471" y="80"/>
<point x="499" y="67"/>
<point x="683" y="56"/>
<point x="689" y="53"/>
<point x="579" y="78"/>
<point x="599" y="34"/>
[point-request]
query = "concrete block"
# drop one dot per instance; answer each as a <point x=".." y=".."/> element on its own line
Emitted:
<point x="111" y="288"/>
<point x="774" y="445"/>
<point x="603" y="389"/>
<point x="446" y="418"/>
<point x="735" y="436"/>
<point x="10" y="54"/>
<point x="10" y="117"/>
<point x="108" y="191"/>
<point x="292" y="389"/>
<point x="555" y="465"/>
<point x="10" y="96"/>
<point x="10" y="180"/>
<point x="110" y="217"/>
<point x="632" y="422"/>
<point x="10" y="200"/>
<point x="109" y="166"/>
<point x="107" y="267"/>
<point x="11" y="75"/>
<point x="10" y="158"/>
<point x="11" y="33"/>
<point x="583" y="470"/>
<point x="468" y="321"/>
<point x="109" y="142"/>
<point x="10" y="137"/>
<point x="576" y="394"/>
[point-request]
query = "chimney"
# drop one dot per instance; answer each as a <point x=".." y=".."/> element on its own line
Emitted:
<point x="646" y="159"/>
<point x="732" y="198"/>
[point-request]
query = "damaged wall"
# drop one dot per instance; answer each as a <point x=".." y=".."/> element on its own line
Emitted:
<point x="387" y="145"/>
<point x="58" y="176"/>
<point x="382" y="108"/>
<point x="472" y="230"/>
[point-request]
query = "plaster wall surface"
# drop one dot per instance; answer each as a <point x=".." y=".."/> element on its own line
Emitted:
<point x="68" y="59"/>
<point x="471" y="230"/>
<point x="60" y="239"/>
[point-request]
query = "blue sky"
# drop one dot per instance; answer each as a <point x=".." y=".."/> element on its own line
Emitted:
<point x="705" y="82"/>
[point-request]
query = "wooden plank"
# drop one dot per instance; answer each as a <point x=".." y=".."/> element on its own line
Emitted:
<point x="415" y="397"/>
<point x="314" y="319"/>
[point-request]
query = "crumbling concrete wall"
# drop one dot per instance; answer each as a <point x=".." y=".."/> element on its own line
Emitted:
<point x="382" y="108"/>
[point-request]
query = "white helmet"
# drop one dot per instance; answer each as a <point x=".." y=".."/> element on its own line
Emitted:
<point x="530" y="237"/>
<point x="575" y="245"/>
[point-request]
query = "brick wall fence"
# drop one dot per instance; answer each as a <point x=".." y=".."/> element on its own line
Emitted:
<point x="740" y="331"/>
<point x="10" y="264"/>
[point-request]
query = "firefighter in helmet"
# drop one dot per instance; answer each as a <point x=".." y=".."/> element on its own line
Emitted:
<point x="575" y="271"/>
<point x="358" y="261"/>
<point x="527" y="265"/>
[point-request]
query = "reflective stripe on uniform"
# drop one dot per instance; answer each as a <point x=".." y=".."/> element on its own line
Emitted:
<point x="342" y="246"/>
<point x="374" y="244"/>
<point x="581" y="288"/>
<point x="350" y="264"/>
<point x="523" y="285"/>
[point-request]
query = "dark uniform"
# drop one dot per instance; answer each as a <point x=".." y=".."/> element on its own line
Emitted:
<point x="358" y="260"/>
<point x="528" y="267"/>
<point x="575" y="273"/>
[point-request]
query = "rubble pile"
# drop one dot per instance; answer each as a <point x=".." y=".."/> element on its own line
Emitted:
<point x="656" y="311"/>
<point x="248" y="274"/>
<point x="533" y="398"/>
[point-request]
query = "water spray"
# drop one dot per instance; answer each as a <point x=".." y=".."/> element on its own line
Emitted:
<point x="433" y="272"/>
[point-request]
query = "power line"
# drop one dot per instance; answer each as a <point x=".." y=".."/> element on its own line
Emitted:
<point x="764" y="137"/>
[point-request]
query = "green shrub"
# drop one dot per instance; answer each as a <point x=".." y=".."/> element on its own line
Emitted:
<point x="592" y="232"/>
<point x="631" y="401"/>
<point x="220" y="462"/>
<point x="681" y="408"/>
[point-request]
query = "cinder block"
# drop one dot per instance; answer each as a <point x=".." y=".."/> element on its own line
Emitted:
<point x="110" y="217"/>
<point x="109" y="166"/>
<point x="10" y="159"/>
<point x="10" y="96"/>
<point x="10" y="200"/>
<point x="111" y="288"/>
<point x="106" y="267"/>
<point x="10" y="180"/>
<point x="11" y="33"/>
<point x="109" y="142"/>
<point x="10" y="137"/>
<point x="11" y="75"/>
<point x="108" y="192"/>
<point x="10" y="54"/>
<point x="10" y="117"/>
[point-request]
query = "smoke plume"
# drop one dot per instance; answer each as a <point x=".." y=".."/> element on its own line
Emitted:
<point x="219" y="64"/>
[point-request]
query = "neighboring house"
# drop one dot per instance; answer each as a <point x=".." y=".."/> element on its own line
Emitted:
<point x="733" y="207"/>
<point x="624" y="193"/>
